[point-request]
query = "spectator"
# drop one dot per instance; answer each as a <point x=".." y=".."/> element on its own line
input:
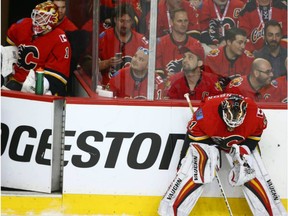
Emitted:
<point x="232" y="59"/>
<point x="120" y="39"/>
<point x="215" y="17"/>
<point x="255" y="14"/>
<point x="107" y="8"/>
<point x="272" y="50"/>
<point x="165" y="7"/>
<point x="131" y="82"/>
<point x="255" y="84"/>
<point x="63" y="21"/>
<point x="40" y="44"/>
<point x="168" y="63"/>
<point x="192" y="79"/>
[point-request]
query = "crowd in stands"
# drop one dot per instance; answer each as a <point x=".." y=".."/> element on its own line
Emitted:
<point x="204" y="47"/>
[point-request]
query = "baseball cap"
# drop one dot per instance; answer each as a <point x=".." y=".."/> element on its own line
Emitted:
<point x="196" y="49"/>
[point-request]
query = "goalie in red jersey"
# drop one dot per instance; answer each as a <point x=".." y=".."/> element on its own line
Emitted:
<point x="234" y="124"/>
<point x="40" y="45"/>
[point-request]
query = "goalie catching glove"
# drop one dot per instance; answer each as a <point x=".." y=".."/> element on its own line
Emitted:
<point x="30" y="82"/>
<point x="242" y="170"/>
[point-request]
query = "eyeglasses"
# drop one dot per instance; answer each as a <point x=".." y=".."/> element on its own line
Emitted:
<point x="146" y="51"/>
<point x="267" y="72"/>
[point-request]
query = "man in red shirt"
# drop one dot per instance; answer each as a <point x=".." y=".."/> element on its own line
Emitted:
<point x="170" y="62"/>
<point x="63" y="21"/>
<point x="255" y="84"/>
<point x="215" y="17"/>
<point x="255" y="14"/>
<point x="121" y="39"/>
<point x="131" y="82"/>
<point x="41" y="45"/>
<point x="232" y="59"/>
<point x="199" y="84"/>
<point x="165" y="8"/>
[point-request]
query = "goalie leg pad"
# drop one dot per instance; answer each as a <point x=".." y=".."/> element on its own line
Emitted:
<point x="206" y="160"/>
<point x="183" y="192"/>
<point x="181" y="197"/>
<point x="260" y="192"/>
<point x="197" y="168"/>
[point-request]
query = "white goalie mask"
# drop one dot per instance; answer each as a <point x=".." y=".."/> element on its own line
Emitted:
<point x="44" y="17"/>
<point x="234" y="110"/>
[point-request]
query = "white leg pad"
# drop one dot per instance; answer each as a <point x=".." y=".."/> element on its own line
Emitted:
<point x="260" y="192"/>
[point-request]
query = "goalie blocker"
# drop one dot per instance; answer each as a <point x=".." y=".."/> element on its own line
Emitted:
<point x="238" y="124"/>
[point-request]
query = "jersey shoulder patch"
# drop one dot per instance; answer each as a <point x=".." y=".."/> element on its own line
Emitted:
<point x="102" y="34"/>
<point x="274" y="83"/>
<point x="235" y="82"/>
<point x="214" y="52"/>
<point x="248" y="54"/>
<point x="199" y="114"/>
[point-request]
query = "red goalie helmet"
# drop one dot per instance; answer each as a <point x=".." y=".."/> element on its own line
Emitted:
<point x="233" y="110"/>
<point x="44" y="17"/>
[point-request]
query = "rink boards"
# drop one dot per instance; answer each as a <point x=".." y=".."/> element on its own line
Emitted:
<point x="120" y="158"/>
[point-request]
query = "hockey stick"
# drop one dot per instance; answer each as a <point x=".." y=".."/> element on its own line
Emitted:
<point x="216" y="171"/>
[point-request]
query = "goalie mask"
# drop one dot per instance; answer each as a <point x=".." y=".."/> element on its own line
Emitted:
<point x="233" y="110"/>
<point x="44" y="17"/>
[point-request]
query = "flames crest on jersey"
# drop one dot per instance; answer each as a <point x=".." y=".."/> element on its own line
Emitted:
<point x="174" y="66"/>
<point x="23" y="53"/>
<point x="248" y="54"/>
<point x="236" y="82"/>
<point x="214" y="52"/>
<point x="217" y="28"/>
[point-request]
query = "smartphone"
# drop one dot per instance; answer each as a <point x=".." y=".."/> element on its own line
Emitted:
<point x="118" y="55"/>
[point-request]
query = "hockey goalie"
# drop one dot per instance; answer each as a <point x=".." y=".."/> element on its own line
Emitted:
<point x="233" y="124"/>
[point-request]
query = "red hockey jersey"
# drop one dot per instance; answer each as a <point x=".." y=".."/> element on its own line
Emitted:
<point x="278" y="90"/>
<point x="125" y="85"/>
<point x="206" y="86"/>
<point x="67" y="25"/>
<point x="51" y="51"/>
<point x="250" y="20"/>
<point x="109" y="44"/>
<point x="218" y="63"/>
<point x="163" y="22"/>
<point x="168" y="56"/>
<point x="207" y="123"/>
<point x="213" y="22"/>
<point x="241" y="85"/>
